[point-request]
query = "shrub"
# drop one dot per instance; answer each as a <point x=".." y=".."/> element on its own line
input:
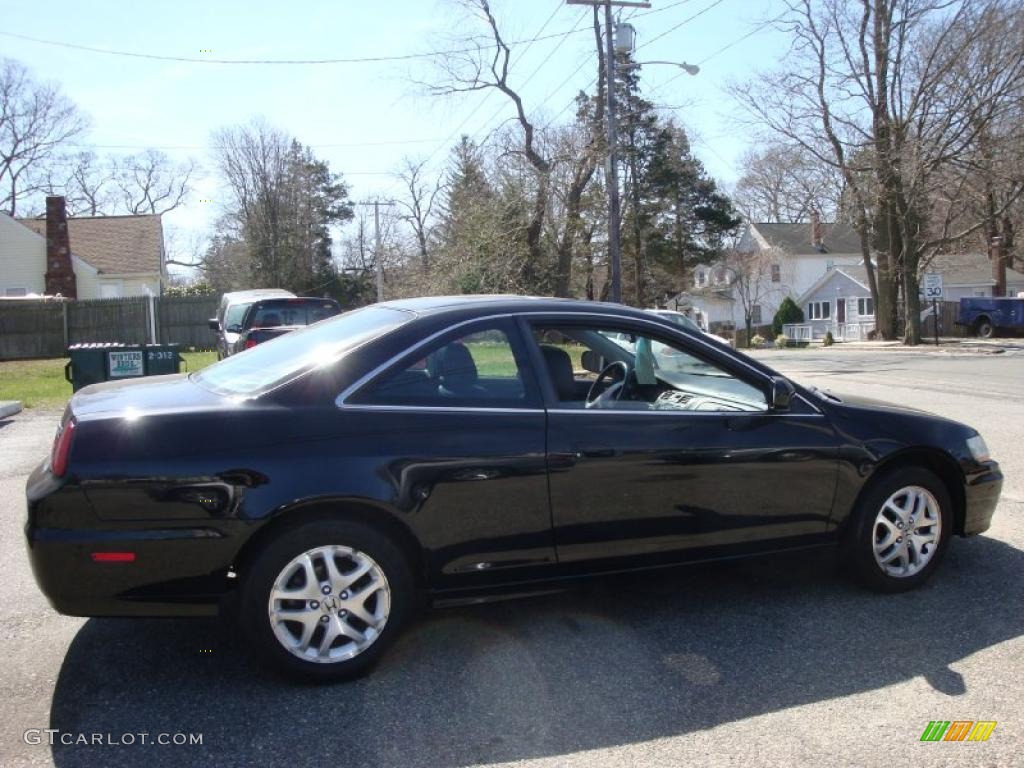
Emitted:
<point x="757" y="340"/>
<point x="781" y="341"/>
<point x="829" y="341"/>
<point x="788" y="312"/>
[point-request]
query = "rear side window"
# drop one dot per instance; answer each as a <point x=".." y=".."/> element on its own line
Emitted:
<point x="481" y="369"/>
<point x="266" y="365"/>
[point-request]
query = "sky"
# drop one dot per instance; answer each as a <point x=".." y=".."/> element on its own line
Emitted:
<point x="364" y="118"/>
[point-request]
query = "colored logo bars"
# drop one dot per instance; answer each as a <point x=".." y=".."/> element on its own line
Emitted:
<point x="958" y="730"/>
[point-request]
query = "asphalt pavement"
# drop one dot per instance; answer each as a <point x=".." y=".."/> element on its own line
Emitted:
<point x="781" y="661"/>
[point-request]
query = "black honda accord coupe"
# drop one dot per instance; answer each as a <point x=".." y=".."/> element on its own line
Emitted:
<point x="324" y="485"/>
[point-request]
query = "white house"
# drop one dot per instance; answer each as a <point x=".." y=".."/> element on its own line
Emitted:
<point x="110" y="256"/>
<point x="786" y="259"/>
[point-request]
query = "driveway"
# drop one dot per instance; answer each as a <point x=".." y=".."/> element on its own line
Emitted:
<point x="781" y="661"/>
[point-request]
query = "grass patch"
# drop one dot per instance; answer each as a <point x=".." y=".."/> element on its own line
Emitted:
<point x="41" y="383"/>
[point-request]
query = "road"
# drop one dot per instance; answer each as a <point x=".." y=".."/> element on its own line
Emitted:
<point x="781" y="661"/>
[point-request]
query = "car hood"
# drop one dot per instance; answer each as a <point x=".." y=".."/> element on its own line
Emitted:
<point x="902" y="421"/>
<point x="857" y="401"/>
<point x="151" y="394"/>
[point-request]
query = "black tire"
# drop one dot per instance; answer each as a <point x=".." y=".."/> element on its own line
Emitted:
<point x="860" y="545"/>
<point x="984" y="328"/>
<point x="254" y="618"/>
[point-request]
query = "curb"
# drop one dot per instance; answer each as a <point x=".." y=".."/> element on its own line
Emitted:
<point x="9" y="408"/>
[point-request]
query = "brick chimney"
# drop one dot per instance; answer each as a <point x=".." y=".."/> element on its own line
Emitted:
<point x="998" y="266"/>
<point x="60" y="277"/>
<point x="817" y="241"/>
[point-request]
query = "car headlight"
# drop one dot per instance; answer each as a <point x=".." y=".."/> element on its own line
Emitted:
<point x="976" y="445"/>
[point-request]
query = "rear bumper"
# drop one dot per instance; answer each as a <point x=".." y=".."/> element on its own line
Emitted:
<point x="176" y="571"/>
<point x="981" y="495"/>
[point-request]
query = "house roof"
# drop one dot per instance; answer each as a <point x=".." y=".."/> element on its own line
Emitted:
<point x="968" y="269"/>
<point x="796" y="238"/>
<point x="113" y="244"/>
<point x="856" y="273"/>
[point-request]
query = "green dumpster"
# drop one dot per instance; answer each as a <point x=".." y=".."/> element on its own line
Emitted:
<point x="108" y="361"/>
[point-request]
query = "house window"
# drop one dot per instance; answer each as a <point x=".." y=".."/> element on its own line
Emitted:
<point x="866" y="307"/>
<point x="755" y="314"/>
<point x="16" y="292"/>
<point x="776" y="273"/>
<point x="702" y="278"/>
<point x="819" y="310"/>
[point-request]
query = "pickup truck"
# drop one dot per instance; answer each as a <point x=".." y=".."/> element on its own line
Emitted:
<point x="269" y="318"/>
<point x="987" y="316"/>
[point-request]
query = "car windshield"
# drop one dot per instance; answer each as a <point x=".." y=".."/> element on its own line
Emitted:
<point x="265" y="366"/>
<point x="235" y="314"/>
<point x="268" y="314"/>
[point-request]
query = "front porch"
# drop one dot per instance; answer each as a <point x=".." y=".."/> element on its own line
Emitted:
<point x="806" y="333"/>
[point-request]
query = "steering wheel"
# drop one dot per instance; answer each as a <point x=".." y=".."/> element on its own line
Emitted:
<point x="614" y="393"/>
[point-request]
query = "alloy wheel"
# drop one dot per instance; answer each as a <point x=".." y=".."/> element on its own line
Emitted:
<point x="329" y="604"/>
<point x="907" y="531"/>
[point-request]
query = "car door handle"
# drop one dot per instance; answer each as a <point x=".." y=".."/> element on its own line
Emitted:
<point x="596" y="453"/>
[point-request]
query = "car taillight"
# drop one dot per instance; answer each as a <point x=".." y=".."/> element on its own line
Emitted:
<point x="250" y="343"/>
<point x="61" y="449"/>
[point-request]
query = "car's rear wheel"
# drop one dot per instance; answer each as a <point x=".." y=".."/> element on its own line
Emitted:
<point x="903" y="527"/>
<point x="984" y="328"/>
<point x="323" y="601"/>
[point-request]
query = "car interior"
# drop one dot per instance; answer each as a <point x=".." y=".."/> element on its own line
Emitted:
<point x="628" y="371"/>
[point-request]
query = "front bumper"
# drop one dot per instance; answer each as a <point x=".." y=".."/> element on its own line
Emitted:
<point x="981" y="495"/>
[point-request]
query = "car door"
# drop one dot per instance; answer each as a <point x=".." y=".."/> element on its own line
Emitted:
<point x="651" y="482"/>
<point x="457" y="429"/>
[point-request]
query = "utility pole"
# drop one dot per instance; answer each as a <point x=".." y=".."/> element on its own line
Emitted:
<point x="378" y="251"/>
<point x="611" y="132"/>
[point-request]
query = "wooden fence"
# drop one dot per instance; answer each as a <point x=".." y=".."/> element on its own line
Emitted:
<point x="45" y="328"/>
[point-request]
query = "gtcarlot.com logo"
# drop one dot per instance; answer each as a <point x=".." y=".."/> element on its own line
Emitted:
<point x="958" y="730"/>
<point x="54" y="736"/>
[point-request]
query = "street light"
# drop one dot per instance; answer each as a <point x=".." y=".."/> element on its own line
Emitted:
<point x="690" y="69"/>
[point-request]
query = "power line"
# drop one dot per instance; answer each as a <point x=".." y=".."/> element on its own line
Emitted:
<point x="763" y="25"/>
<point x="197" y="147"/>
<point x="739" y="40"/>
<point x="287" y="62"/>
<point x="687" y="20"/>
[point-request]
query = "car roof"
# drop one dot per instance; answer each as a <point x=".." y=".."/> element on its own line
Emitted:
<point x="492" y="303"/>
<point x="256" y="293"/>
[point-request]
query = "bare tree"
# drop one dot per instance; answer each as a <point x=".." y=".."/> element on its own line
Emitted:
<point x="85" y="181"/>
<point x="150" y="182"/>
<point x="781" y="183"/>
<point x="749" y="276"/>
<point x="418" y="206"/>
<point x="36" y="120"/>
<point x="486" y="67"/>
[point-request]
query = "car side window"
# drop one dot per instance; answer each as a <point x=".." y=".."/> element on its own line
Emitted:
<point x="476" y="369"/>
<point x="616" y="368"/>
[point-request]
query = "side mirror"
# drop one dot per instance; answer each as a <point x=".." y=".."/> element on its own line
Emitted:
<point x="782" y="393"/>
<point x="214" y="324"/>
<point x="591" y="361"/>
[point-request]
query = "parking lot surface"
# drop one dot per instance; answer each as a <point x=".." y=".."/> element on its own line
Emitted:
<point x="782" y="661"/>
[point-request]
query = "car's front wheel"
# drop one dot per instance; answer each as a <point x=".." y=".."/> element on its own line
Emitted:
<point x="903" y="527"/>
<point x="324" y="600"/>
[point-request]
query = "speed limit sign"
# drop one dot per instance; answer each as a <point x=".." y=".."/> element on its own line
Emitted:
<point x="933" y="286"/>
